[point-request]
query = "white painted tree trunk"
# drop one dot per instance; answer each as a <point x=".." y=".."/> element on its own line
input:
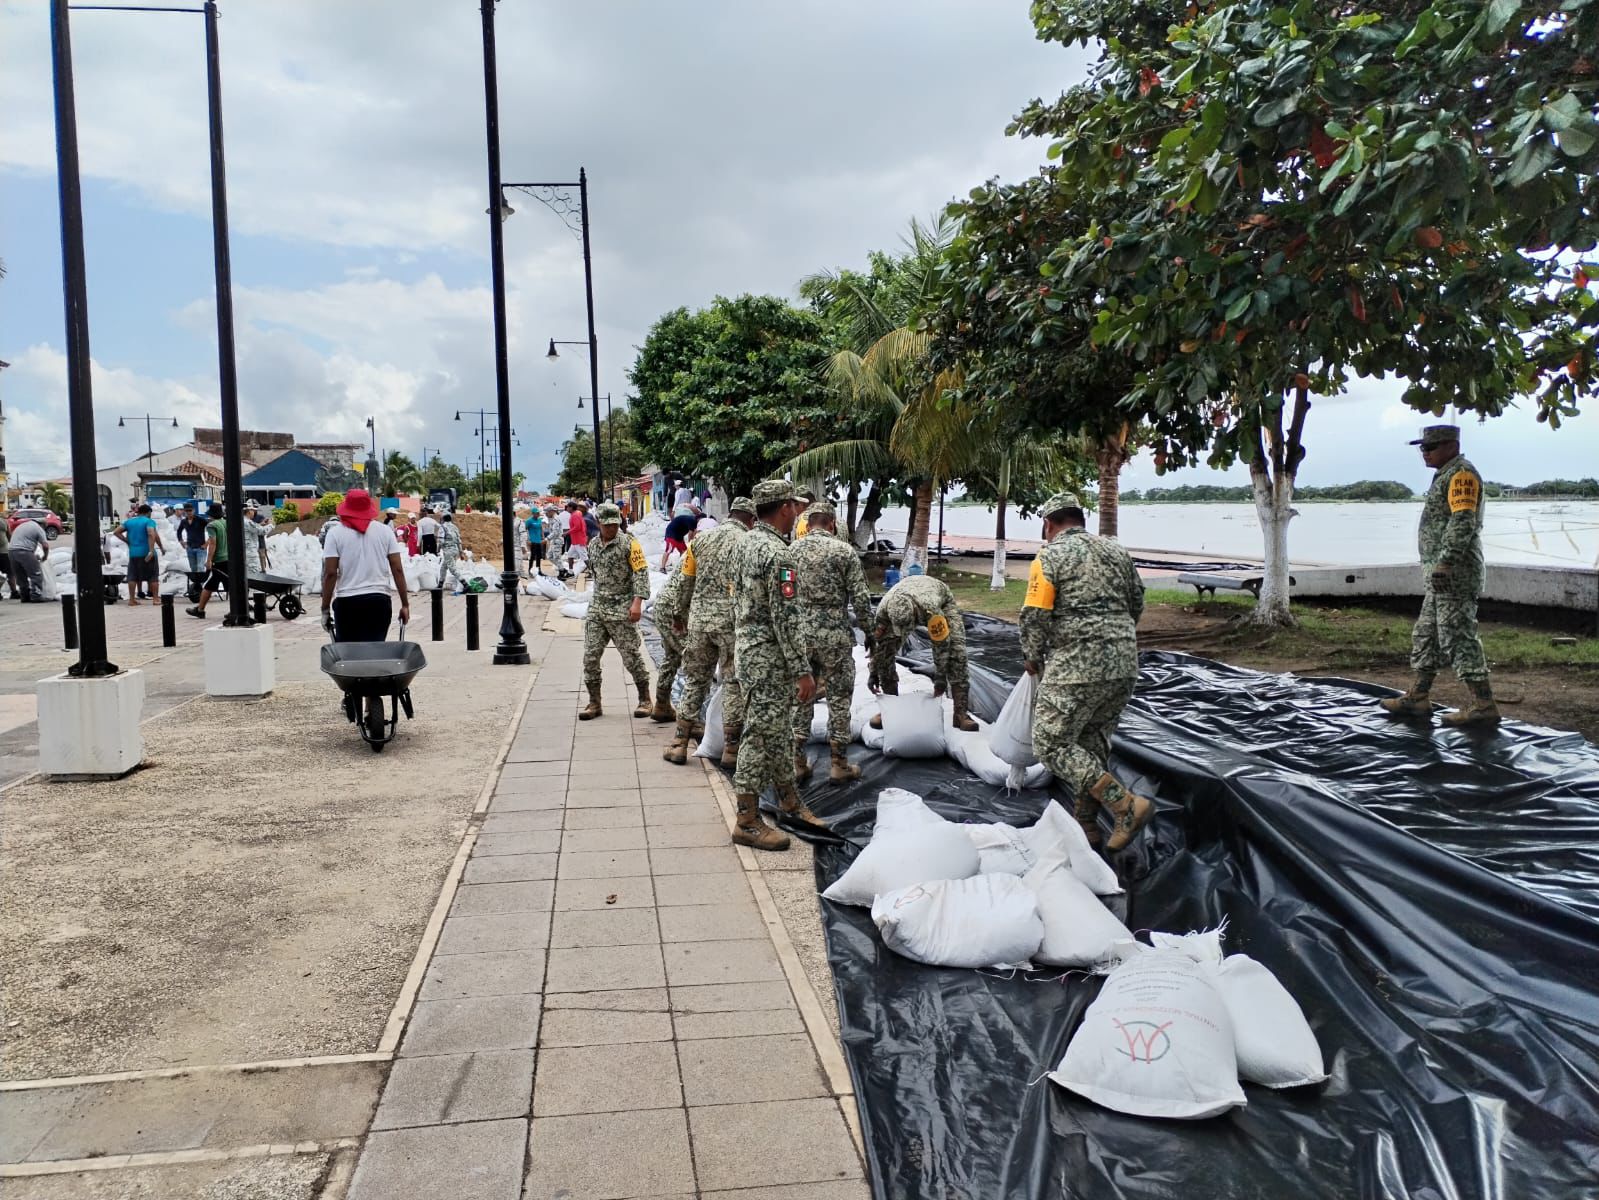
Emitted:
<point x="1274" y="506"/>
<point x="865" y="533"/>
<point x="996" y="581"/>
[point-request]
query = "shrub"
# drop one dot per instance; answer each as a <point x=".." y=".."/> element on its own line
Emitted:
<point x="284" y="515"/>
<point x="328" y="504"/>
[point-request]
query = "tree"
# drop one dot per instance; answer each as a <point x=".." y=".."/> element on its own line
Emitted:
<point x="56" y="498"/>
<point x="729" y="392"/>
<point x="1021" y="470"/>
<point x="1283" y="194"/>
<point x="441" y="474"/>
<point x="624" y="458"/>
<point x="400" y="474"/>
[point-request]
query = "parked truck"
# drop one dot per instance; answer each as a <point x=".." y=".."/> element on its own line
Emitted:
<point x="174" y="491"/>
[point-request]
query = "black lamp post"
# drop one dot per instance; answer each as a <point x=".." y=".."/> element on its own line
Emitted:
<point x="512" y="648"/>
<point x="149" y="445"/>
<point x="610" y="437"/>
<point x="227" y="370"/>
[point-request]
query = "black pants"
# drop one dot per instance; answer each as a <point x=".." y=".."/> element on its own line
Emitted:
<point x="535" y="553"/>
<point x="362" y="618"/>
<point x="430" y="543"/>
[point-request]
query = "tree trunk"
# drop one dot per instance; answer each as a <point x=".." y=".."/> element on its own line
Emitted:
<point x="1111" y="457"/>
<point x="854" y="499"/>
<point x="866" y="531"/>
<point x="921" y="520"/>
<point x="1272" y="472"/>
<point x="996" y="580"/>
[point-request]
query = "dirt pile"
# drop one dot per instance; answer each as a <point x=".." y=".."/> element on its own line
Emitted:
<point x="480" y="533"/>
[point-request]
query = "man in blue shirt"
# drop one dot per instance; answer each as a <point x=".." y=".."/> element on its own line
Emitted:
<point x="144" y="546"/>
<point x="535" y="543"/>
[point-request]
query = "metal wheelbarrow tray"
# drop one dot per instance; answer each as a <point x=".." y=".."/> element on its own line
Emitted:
<point x="373" y="672"/>
<point x="282" y="592"/>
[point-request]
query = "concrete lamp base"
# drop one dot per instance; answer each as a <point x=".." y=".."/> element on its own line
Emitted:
<point x="239" y="661"/>
<point x="89" y="728"/>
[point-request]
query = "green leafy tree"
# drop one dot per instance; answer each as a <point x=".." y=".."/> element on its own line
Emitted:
<point x="400" y="474"/>
<point x="730" y="391"/>
<point x="1285" y="194"/>
<point x="441" y="474"/>
<point x="327" y="504"/>
<point x="623" y="459"/>
<point x="56" y="498"/>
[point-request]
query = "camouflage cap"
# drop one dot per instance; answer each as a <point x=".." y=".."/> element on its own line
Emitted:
<point x="1059" y="502"/>
<point x="821" y="508"/>
<point x="806" y="495"/>
<point x="742" y="504"/>
<point x="1436" y="435"/>
<point x="772" y="491"/>
<point x="608" y="514"/>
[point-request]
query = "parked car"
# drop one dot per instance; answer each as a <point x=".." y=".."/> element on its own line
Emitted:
<point x="51" y="522"/>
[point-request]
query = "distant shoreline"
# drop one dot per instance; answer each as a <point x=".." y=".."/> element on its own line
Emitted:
<point x="1141" y="503"/>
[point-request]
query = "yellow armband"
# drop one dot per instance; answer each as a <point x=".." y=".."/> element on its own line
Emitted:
<point x="937" y="628"/>
<point x="1040" y="591"/>
<point x="635" y="556"/>
<point x="689" y="566"/>
<point x="1465" y="490"/>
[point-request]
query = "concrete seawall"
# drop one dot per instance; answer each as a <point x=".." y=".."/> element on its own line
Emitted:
<point x="1567" y="588"/>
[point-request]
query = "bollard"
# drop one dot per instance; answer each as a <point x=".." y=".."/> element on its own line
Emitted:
<point x="169" y="623"/>
<point x="69" y="621"/>
<point x="438" y="614"/>
<point x="471" y="621"/>
<point x="260" y="608"/>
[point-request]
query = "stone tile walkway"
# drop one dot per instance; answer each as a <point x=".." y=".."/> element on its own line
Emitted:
<point x="606" y="1015"/>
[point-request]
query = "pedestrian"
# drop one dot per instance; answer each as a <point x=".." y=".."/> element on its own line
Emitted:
<point x="772" y="670"/>
<point x="5" y="556"/>
<point x="256" y="533"/>
<point x="577" y="530"/>
<point x="679" y="530"/>
<point x="591" y="523"/>
<point x="191" y="536"/>
<point x="914" y="601"/>
<point x="710" y="642"/>
<point x="143" y="540"/>
<point x="1450" y="543"/>
<point x="682" y="496"/>
<point x="829" y="581"/>
<point x="1079" y="635"/>
<point x="428" y="532"/>
<point x="535" y="543"/>
<point x="360" y="564"/>
<point x="621" y="585"/>
<point x="449" y="551"/>
<point x="806" y="498"/>
<point x="29" y="543"/>
<point x="670" y="614"/>
<point x="216" y="561"/>
<point x="322" y="534"/>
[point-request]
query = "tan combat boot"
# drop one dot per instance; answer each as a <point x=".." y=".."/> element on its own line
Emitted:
<point x="749" y="830"/>
<point x="730" y="736"/>
<point x="645" y="704"/>
<point x="1086" y="809"/>
<point x="1131" y="812"/>
<point x="1416" y="702"/>
<point x="842" y="770"/>
<point x="677" y="752"/>
<point x="594" y="709"/>
<point x="1481" y="713"/>
<point x="663" y="712"/>
<point x="961" y="694"/>
<point x="802" y="762"/>
<point x="795" y="809"/>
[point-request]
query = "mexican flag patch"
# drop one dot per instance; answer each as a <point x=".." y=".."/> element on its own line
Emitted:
<point x="785" y="581"/>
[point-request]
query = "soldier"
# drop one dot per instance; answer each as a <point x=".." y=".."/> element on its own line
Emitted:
<point x="621" y="585"/>
<point x="804" y="498"/>
<point x="449" y="550"/>
<point x="922" y="600"/>
<point x="1079" y="631"/>
<point x="708" y="571"/>
<point x="772" y="669"/>
<point x="829" y="580"/>
<point x="1451" y="556"/>
<point x="670" y="613"/>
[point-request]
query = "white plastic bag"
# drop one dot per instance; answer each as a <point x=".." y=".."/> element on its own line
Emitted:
<point x="578" y="610"/>
<point x="1156" y="1043"/>
<point x="913" y="726"/>
<point x="983" y="921"/>
<point x="900" y="810"/>
<point x="711" y="743"/>
<point x="1011" y="735"/>
<point x="1079" y="931"/>
<point x="910" y="844"/>
<point x="1001" y="849"/>
<point x="1272" y="1039"/>
<point x="1057" y="834"/>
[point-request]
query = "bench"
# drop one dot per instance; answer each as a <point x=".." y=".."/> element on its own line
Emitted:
<point x="1210" y="582"/>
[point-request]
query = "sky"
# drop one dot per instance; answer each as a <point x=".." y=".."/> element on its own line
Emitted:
<point x="730" y="146"/>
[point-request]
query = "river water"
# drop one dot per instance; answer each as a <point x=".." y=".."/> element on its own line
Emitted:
<point x="1534" y="533"/>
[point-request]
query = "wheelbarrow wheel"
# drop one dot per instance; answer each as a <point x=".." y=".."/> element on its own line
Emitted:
<point x="289" y="605"/>
<point x="374" y="725"/>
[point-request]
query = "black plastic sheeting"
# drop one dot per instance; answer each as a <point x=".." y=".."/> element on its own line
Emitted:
<point x="1429" y="898"/>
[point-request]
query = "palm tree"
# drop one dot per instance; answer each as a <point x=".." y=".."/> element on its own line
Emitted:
<point x="56" y="498"/>
<point x="399" y="474"/>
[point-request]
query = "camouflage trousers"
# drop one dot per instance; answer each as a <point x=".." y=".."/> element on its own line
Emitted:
<point x="672" y="659"/>
<point x="704" y="653"/>
<point x="1072" y="726"/>
<point x="832" y="658"/>
<point x="600" y="627"/>
<point x="447" y="566"/>
<point x="1446" y="636"/>
<point x="949" y="654"/>
<point x="766" y="751"/>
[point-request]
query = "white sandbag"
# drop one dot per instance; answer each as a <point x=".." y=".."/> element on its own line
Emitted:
<point x="1001" y="849"/>
<point x="711" y="744"/>
<point x="910" y="844"/>
<point x="913" y="726"/>
<point x="1273" y="1041"/>
<point x="578" y="610"/>
<point x="1079" y="931"/>
<point x="1057" y="834"/>
<point x="983" y="921"/>
<point x="1156" y="1043"/>
<point x="871" y="736"/>
<point x="1011" y="735"/>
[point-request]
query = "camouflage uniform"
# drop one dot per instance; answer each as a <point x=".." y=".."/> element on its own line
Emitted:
<point x="829" y="580"/>
<point x="671" y="606"/>
<point x="449" y="551"/>
<point x="1451" y="532"/>
<point x="913" y="601"/>
<point x="620" y="576"/>
<point x="770" y="659"/>
<point x="709" y="568"/>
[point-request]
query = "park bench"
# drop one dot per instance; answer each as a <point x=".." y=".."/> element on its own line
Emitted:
<point x="1228" y="583"/>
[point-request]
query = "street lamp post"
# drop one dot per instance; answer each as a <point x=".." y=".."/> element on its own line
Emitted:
<point x="610" y="437"/>
<point x="512" y="648"/>
<point x="149" y="445"/>
<point x="599" y="464"/>
<point x="482" y="424"/>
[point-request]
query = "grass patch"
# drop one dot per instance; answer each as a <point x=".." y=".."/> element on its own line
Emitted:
<point x="972" y="593"/>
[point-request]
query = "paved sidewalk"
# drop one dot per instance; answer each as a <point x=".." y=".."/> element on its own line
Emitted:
<point x="608" y="1010"/>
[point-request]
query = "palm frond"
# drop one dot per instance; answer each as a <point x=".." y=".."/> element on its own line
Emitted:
<point x="854" y="461"/>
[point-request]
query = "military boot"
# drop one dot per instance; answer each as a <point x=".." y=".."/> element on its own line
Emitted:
<point x="1130" y="812"/>
<point x="795" y="809"/>
<point x="677" y="752"/>
<point x="802" y="762"/>
<point x="594" y="709"/>
<point x="1481" y="713"/>
<point x="749" y="830"/>
<point x="663" y="712"/>
<point x="1416" y="702"/>
<point x="842" y="770"/>
<point x="645" y="704"/>
<point x="730" y="736"/>
<point x="960" y="694"/>
<point x="1086" y="809"/>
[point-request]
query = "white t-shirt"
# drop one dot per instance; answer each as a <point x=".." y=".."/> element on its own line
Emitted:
<point x="682" y="496"/>
<point x="704" y="525"/>
<point x="363" y="559"/>
<point x="427" y="527"/>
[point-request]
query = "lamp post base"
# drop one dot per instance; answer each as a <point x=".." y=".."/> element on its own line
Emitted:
<point x="89" y="727"/>
<point x="512" y="650"/>
<point x="239" y="661"/>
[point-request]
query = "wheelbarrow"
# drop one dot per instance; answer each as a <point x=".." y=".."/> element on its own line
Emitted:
<point x="368" y="673"/>
<point x="282" y="592"/>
